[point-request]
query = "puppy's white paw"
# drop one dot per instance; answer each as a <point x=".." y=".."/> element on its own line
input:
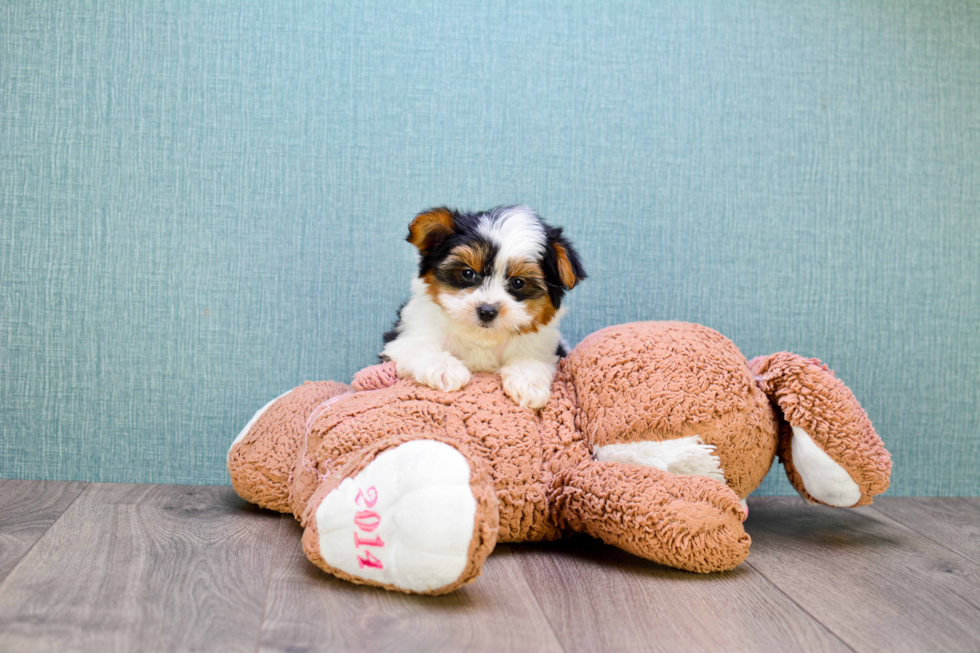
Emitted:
<point x="445" y="372"/>
<point x="528" y="382"/>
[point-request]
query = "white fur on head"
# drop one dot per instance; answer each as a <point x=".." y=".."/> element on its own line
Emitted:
<point x="517" y="233"/>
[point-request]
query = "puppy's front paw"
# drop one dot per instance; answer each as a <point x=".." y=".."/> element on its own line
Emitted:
<point x="528" y="382"/>
<point x="444" y="372"/>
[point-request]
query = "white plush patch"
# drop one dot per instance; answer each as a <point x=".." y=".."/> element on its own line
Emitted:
<point x="824" y="479"/>
<point x="255" y="417"/>
<point x="685" y="456"/>
<point x="406" y="520"/>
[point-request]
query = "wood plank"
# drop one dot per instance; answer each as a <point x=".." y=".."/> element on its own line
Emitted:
<point x="599" y="598"/>
<point x="953" y="522"/>
<point x="877" y="584"/>
<point x="27" y="510"/>
<point x="310" y="610"/>
<point x="143" y="568"/>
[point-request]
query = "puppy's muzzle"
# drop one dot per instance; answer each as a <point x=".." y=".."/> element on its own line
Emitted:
<point x="487" y="313"/>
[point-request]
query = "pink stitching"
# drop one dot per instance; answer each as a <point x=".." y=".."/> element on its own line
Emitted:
<point x="314" y="416"/>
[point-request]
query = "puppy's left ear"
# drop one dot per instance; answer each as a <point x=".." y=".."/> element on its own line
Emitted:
<point x="566" y="260"/>
<point x="430" y="228"/>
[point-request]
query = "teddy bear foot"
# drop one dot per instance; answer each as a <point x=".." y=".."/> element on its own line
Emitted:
<point x="830" y="450"/>
<point x="412" y="520"/>
<point x="824" y="480"/>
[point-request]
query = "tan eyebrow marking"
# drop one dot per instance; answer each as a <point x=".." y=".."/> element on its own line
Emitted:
<point x="526" y="269"/>
<point x="473" y="256"/>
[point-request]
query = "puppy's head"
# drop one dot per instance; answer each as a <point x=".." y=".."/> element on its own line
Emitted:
<point x="496" y="273"/>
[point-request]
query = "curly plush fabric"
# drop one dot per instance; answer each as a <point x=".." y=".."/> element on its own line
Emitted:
<point x="807" y="392"/>
<point x="662" y="392"/>
<point x="656" y="381"/>
<point x="688" y="522"/>
<point x="262" y="460"/>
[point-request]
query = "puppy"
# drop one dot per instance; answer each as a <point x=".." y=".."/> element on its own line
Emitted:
<point x="487" y="299"/>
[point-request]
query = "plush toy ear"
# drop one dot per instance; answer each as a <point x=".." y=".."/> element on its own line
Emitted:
<point x="429" y="228"/>
<point x="570" y="269"/>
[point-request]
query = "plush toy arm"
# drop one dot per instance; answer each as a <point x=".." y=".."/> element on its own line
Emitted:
<point x="827" y="445"/>
<point x="689" y="522"/>
<point x="375" y="377"/>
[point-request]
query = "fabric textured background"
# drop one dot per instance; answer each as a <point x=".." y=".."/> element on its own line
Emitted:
<point x="204" y="205"/>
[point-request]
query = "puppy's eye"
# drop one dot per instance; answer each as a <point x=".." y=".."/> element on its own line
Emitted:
<point x="468" y="274"/>
<point x="517" y="283"/>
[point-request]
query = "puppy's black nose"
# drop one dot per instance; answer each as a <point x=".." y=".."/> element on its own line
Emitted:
<point x="487" y="313"/>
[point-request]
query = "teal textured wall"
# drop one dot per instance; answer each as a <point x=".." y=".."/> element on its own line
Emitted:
<point x="203" y="204"/>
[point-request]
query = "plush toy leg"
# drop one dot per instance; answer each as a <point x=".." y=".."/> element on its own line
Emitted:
<point x="689" y="522"/>
<point x="416" y="516"/>
<point x="827" y="445"/>
<point x="261" y="457"/>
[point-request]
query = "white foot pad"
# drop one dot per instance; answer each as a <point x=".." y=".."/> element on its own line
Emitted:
<point x="406" y="520"/>
<point x="824" y="479"/>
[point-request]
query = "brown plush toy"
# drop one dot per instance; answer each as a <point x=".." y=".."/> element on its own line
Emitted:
<point x="654" y="435"/>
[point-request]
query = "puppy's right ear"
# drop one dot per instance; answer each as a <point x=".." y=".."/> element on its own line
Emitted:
<point x="430" y="228"/>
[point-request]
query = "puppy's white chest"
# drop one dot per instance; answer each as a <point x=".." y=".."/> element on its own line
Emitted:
<point x="477" y="358"/>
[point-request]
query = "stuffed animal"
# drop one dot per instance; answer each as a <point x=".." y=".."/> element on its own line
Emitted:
<point x="654" y="435"/>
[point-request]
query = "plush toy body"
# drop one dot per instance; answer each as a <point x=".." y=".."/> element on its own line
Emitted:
<point x="654" y="433"/>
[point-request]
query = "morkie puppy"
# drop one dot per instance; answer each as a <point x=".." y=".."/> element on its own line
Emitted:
<point x="487" y="299"/>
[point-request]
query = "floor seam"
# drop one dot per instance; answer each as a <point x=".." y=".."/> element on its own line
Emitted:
<point x="10" y="573"/>
<point x="918" y="532"/>
<point x="268" y="584"/>
<point x="804" y="610"/>
<point x="534" y="596"/>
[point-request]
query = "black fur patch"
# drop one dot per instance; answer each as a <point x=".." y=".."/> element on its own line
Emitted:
<point x="393" y="332"/>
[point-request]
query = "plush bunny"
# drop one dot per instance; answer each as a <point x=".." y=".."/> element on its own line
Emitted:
<point x="654" y="435"/>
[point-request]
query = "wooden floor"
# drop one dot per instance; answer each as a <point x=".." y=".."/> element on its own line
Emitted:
<point x="107" y="567"/>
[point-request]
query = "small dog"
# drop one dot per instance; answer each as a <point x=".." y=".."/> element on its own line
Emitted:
<point x="487" y="299"/>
